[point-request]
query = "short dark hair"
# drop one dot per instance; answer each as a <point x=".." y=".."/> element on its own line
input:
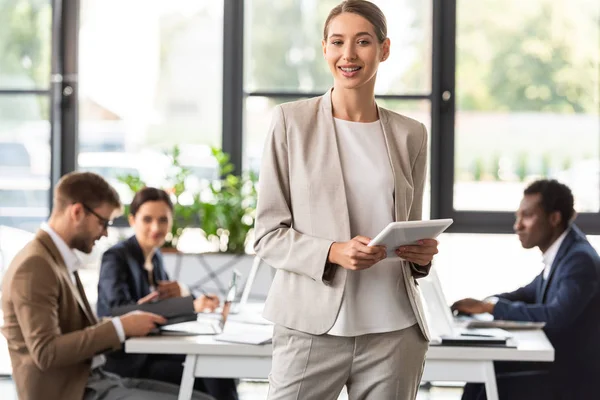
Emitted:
<point x="149" y="194"/>
<point x="85" y="188"/>
<point x="555" y="196"/>
<point x="365" y="9"/>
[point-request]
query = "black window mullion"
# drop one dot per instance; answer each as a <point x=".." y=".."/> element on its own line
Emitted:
<point x="233" y="81"/>
<point x="443" y="108"/>
<point x="64" y="89"/>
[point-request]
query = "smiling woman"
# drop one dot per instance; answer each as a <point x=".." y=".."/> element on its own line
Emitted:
<point x="317" y="239"/>
<point x="354" y="46"/>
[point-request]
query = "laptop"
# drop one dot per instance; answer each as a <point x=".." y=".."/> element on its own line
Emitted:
<point x="207" y="326"/>
<point x="487" y="321"/>
<point x="443" y="327"/>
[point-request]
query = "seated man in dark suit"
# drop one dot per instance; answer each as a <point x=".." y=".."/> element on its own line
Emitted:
<point x="565" y="295"/>
<point x="133" y="272"/>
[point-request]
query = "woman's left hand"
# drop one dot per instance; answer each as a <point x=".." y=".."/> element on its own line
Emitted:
<point x="421" y="253"/>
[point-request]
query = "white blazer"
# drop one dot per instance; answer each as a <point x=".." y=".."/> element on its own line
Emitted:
<point x="302" y="209"/>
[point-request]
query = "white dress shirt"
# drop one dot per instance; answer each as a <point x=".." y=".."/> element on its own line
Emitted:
<point x="73" y="263"/>
<point x="550" y="254"/>
<point x="375" y="299"/>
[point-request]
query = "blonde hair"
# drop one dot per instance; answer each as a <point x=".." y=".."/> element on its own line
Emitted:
<point x="365" y="9"/>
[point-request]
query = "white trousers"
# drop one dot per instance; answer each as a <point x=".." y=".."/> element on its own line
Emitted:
<point x="379" y="366"/>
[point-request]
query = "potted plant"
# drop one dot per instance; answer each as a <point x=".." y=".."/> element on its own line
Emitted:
<point x="227" y="213"/>
<point x="224" y="210"/>
<point x="228" y="207"/>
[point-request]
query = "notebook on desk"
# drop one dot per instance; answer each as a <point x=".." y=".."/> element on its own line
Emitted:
<point x="174" y="310"/>
<point x="443" y="328"/>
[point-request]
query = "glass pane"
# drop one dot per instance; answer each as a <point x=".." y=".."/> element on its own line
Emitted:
<point x="283" y="46"/>
<point x="259" y="111"/>
<point x="421" y="111"/>
<point x="25" y="44"/>
<point x="146" y="89"/>
<point x="24" y="161"/>
<point x="528" y="100"/>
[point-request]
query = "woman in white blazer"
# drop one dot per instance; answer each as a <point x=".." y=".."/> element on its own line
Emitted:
<point x="336" y="170"/>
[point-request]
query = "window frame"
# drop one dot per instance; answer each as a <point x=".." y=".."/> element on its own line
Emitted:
<point x="64" y="123"/>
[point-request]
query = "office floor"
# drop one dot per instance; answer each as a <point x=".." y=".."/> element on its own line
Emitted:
<point x="258" y="391"/>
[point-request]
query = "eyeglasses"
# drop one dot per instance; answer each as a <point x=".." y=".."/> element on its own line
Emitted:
<point x="105" y="222"/>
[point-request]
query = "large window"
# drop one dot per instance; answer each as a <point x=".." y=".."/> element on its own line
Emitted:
<point x="284" y="61"/>
<point x="150" y="78"/>
<point x="25" y="31"/>
<point x="527" y="105"/>
<point x="506" y="100"/>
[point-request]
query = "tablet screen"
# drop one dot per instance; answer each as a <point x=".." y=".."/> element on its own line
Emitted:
<point x="398" y="234"/>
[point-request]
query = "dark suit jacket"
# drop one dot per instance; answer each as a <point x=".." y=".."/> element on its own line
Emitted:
<point x="569" y="303"/>
<point x="123" y="280"/>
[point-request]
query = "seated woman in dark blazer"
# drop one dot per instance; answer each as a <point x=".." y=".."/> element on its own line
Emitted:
<point x="133" y="272"/>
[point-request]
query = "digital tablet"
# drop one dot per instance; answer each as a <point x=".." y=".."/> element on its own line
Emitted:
<point x="398" y="234"/>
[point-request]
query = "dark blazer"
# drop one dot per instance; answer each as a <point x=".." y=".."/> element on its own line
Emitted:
<point x="569" y="303"/>
<point x="123" y="280"/>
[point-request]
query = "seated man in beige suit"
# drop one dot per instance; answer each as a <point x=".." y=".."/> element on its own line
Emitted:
<point x="55" y="342"/>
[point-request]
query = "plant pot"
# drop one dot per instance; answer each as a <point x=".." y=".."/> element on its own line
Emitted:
<point x="212" y="272"/>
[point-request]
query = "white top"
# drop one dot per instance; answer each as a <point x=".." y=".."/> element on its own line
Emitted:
<point x="73" y="263"/>
<point x="551" y="252"/>
<point x="149" y="267"/>
<point x="375" y="299"/>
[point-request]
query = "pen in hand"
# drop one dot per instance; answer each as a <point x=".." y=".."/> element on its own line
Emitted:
<point x="206" y="303"/>
<point x="208" y="296"/>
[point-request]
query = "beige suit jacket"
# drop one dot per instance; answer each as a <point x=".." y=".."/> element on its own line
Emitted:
<point x="302" y="209"/>
<point x="51" y="332"/>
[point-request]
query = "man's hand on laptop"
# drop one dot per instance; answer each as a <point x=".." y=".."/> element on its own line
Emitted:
<point x="206" y="303"/>
<point x="140" y="323"/>
<point x="473" y="306"/>
<point x="168" y="289"/>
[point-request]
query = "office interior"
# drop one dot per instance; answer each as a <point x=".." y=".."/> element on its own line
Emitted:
<point x="509" y="92"/>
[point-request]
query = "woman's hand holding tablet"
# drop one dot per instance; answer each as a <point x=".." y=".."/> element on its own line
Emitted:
<point x="412" y="241"/>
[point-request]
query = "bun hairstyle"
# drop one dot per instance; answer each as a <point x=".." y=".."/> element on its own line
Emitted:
<point x="149" y="194"/>
<point x="365" y="9"/>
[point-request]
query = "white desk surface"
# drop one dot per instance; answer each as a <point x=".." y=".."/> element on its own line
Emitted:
<point x="207" y="357"/>
<point x="532" y="345"/>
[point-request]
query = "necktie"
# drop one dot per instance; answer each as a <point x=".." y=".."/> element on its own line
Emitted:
<point x="88" y="310"/>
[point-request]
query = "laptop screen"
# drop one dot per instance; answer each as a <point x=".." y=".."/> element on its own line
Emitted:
<point x="439" y="316"/>
<point x="229" y="298"/>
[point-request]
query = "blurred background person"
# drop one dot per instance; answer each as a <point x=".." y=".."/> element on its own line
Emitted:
<point x="133" y="272"/>
<point x="565" y="295"/>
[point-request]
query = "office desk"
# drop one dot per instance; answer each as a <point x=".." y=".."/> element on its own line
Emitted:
<point x="209" y="358"/>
